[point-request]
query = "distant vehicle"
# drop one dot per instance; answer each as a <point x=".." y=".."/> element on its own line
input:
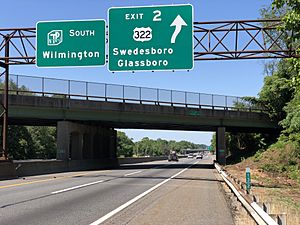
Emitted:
<point x="199" y="156"/>
<point x="190" y="156"/>
<point x="173" y="156"/>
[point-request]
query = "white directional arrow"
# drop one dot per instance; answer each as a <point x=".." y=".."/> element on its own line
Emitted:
<point x="178" y="23"/>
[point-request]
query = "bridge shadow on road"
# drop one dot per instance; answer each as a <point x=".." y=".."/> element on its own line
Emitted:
<point x="153" y="177"/>
<point x="169" y="166"/>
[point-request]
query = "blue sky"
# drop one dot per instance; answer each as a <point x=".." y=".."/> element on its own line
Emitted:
<point x="238" y="78"/>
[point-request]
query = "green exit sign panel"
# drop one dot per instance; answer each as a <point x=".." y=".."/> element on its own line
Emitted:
<point x="70" y="43"/>
<point x="151" y="38"/>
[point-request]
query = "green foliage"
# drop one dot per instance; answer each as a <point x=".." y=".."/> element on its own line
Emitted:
<point x="242" y="145"/>
<point x="280" y="95"/>
<point x="270" y="167"/>
<point x="20" y="143"/>
<point x="292" y="17"/>
<point x="213" y="143"/>
<point x="157" y="147"/>
<point x="294" y="173"/>
<point x="125" y="145"/>
<point x="282" y="158"/>
<point x="44" y="141"/>
<point x="277" y="91"/>
<point x="31" y="142"/>
<point x="258" y="155"/>
<point x="150" y="147"/>
<point x="13" y="87"/>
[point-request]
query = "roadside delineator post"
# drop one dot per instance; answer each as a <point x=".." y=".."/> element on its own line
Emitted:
<point x="248" y="180"/>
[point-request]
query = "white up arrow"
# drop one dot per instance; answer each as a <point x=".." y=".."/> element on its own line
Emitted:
<point x="178" y="23"/>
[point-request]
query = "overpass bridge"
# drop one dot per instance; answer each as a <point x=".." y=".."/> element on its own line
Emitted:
<point x="134" y="107"/>
<point x="189" y="151"/>
<point x="86" y="113"/>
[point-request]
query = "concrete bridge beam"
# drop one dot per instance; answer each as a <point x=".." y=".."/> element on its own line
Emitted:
<point x="77" y="141"/>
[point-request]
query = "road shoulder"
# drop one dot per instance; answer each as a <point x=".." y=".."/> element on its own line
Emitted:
<point x="194" y="197"/>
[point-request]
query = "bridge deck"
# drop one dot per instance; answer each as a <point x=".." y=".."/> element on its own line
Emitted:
<point x="35" y="110"/>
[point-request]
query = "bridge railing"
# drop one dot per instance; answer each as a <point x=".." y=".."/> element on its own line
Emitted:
<point x="72" y="89"/>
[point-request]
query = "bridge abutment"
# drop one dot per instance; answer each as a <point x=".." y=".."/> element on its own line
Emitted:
<point x="221" y="145"/>
<point x="77" y="141"/>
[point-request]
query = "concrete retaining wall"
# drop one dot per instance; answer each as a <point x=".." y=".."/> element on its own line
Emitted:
<point x="38" y="167"/>
<point x="22" y="168"/>
<point x="55" y="166"/>
<point x="141" y="159"/>
<point x="7" y="170"/>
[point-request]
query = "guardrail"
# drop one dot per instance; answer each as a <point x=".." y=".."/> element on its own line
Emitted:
<point x="72" y="89"/>
<point x="260" y="217"/>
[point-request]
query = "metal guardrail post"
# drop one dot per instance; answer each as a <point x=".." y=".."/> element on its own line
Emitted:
<point x="157" y="95"/>
<point x="199" y="100"/>
<point x="212" y="101"/>
<point x="185" y="98"/>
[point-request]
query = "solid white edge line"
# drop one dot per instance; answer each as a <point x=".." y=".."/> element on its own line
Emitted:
<point x="126" y="175"/>
<point x="120" y="208"/>
<point x="76" y="187"/>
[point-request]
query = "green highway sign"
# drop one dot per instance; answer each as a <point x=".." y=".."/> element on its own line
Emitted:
<point x="194" y="113"/>
<point x="151" y="38"/>
<point x="70" y="43"/>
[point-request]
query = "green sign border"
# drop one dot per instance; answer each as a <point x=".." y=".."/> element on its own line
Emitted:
<point x="53" y="21"/>
<point x="135" y="71"/>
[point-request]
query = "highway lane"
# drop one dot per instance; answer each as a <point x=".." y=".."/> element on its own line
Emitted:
<point x="81" y="198"/>
<point x="194" y="197"/>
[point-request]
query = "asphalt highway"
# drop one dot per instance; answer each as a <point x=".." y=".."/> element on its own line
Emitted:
<point x="94" y="197"/>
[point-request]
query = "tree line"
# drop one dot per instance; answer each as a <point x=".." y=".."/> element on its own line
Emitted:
<point x="126" y="147"/>
<point x="39" y="142"/>
<point x="31" y="142"/>
<point x="280" y="96"/>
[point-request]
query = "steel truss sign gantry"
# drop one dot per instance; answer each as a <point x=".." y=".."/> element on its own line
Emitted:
<point x="244" y="39"/>
<point x="217" y="40"/>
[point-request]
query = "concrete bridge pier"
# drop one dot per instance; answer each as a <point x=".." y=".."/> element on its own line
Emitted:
<point x="221" y="145"/>
<point x="77" y="141"/>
